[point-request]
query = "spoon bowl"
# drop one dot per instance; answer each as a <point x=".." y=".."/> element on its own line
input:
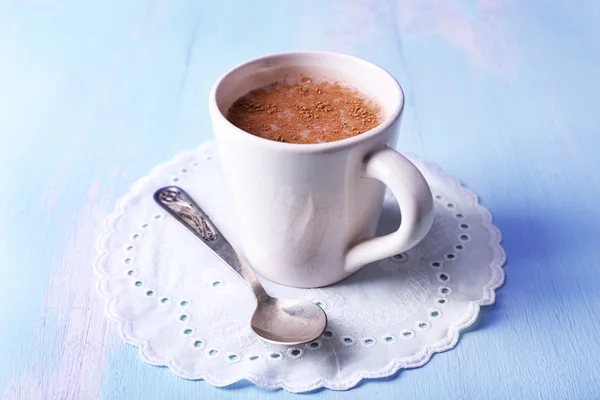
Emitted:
<point x="286" y="322"/>
<point x="289" y="322"/>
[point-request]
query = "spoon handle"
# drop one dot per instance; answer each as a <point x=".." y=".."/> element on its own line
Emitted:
<point x="185" y="210"/>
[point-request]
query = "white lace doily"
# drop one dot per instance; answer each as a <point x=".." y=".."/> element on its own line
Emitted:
<point x="184" y="309"/>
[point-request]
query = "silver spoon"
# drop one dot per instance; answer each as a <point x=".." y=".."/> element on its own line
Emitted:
<point x="278" y="321"/>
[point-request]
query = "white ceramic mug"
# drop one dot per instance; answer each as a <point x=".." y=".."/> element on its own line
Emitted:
<point x="307" y="213"/>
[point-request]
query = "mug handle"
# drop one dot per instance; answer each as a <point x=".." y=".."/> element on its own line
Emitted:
<point x="414" y="197"/>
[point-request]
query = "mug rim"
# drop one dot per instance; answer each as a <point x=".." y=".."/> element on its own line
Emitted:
<point x="308" y="147"/>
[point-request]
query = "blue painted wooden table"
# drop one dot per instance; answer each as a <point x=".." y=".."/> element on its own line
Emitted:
<point x="502" y="94"/>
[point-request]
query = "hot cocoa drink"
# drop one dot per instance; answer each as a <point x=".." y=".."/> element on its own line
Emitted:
<point x="305" y="111"/>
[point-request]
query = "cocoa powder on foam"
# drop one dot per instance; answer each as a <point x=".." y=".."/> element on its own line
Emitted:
<point x="307" y="111"/>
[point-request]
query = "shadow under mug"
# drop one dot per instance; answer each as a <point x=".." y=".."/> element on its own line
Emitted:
<point x="307" y="213"/>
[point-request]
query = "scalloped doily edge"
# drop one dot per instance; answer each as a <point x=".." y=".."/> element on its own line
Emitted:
<point x="418" y="360"/>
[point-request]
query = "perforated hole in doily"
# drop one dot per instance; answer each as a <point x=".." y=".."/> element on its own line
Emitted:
<point x="150" y="293"/>
<point x="233" y="357"/>
<point x="399" y="257"/>
<point x="388" y="339"/>
<point x="443" y="277"/>
<point x="131" y="272"/>
<point x="164" y="300"/>
<point x="212" y="353"/>
<point x="138" y="283"/>
<point x="294" y="352"/>
<point x="275" y="356"/>
<point x="367" y="342"/>
<point x="198" y="344"/>
<point x="445" y="291"/>
<point x="184" y="303"/>
<point x="347" y="340"/>
<point x="315" y="345"/>
<point x="407" y="334"/>
<point x="434" y="314"/>
<point x="183" y="317"/>
<point x="422" y="325"/>
<point x="328" y="334"/>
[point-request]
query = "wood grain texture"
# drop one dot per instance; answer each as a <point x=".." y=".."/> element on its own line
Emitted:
<point x="503" y="94"/>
